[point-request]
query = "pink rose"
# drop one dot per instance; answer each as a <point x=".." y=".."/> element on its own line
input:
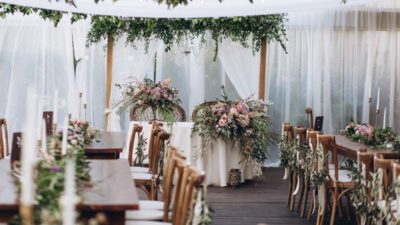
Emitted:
<point x="221" y="122"/>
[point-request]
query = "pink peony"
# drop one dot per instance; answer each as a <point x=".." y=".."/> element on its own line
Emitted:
<point x="221" y="122"/>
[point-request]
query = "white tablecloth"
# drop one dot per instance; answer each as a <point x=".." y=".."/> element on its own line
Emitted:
<point x="215" y="162"/>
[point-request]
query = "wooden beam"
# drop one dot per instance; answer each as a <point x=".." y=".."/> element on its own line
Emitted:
<point x="110" y="45"/>
<point x="263" y="69"/>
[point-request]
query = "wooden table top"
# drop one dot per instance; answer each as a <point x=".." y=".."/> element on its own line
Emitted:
<point x="349" y="148"/>
<point x="111" y="142"/>
<point x="113" y="188"/>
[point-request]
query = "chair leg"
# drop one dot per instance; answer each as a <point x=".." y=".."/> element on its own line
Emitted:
<point x="293" y="197"/>
<point x="312" y="205"/>
<point x="348" y="207"/>
<point x="335" y="198"/>
<point x="290" y="188"/>
<point x="322" y="206"/>
<point x="305" y="194"/>
<point x="301" y="195"/>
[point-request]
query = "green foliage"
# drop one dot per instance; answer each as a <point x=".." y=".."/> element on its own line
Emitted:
<point x="53" y="16"/>
<point x="140" y="149"/>
<point x="242" y="122"/>
<point x="239" y="29"/>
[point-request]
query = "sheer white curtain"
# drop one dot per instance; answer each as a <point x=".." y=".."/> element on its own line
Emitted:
<point x="33" y="53"/>
<point x="334" y="60"/>
<point x="241" y="66"/>
<point x="129" y="61"/>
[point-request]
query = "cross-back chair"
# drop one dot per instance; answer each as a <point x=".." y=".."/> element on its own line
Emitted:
<point x="160" y="210"/>
<point x="189" y="182"/>
<point x="339" y="181"/>
<point x="137" y="129"/>
<point x="4" y="148"/>
<point x="147" y="181"/>
<point x="288" y="137"/>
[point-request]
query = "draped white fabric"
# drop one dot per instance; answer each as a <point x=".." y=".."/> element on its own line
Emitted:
<point x="241" y="66"/>
<point x="33" y="53"/>
<point x="195" y="8"/>
<point x="129" y="61"/>
<point x="334" y="60"/>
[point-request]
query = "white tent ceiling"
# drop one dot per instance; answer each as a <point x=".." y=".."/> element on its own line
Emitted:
<point x="195" y="8"/>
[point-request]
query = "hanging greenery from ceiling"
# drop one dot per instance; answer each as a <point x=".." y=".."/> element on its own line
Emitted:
<point x="53" y="16"/>
<point x="239" y="29"/>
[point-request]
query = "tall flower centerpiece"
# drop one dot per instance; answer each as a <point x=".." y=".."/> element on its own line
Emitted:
<point x="243" y="122"/>
<point x="160" y="97"/>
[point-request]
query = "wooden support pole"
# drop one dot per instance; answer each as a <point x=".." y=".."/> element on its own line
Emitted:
<point x="110" y="44"/>
<point x="263" y="69"/>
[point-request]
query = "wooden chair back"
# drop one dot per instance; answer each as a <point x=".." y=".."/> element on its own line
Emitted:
<point x="310" y="118"/>
<point x="155" y="128"/>
<point x="158" y="146"/>
<point x="327" y="143"/>
<point x="174" y="161"/>
<point x="287" y="132"/>
<point x="300" y="134"/>
<point x="385" y="166"/>
<point x="396" y="180"/>
<point x="16" y="147"/>
<point x="136" y="130"/>
<point x="365" y="162"/>
<point x="4" y="148"/>
<point x="192" y="180"/>
<point x="48" y="118"/>
<point x="312" y="139"/>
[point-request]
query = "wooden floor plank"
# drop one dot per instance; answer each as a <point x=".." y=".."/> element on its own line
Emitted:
<point x="262" y="202"/>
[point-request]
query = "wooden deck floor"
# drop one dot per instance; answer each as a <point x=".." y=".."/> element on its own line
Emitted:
<point x="252" y="203"/>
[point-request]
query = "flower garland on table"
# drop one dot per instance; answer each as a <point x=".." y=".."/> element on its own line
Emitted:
<point x="244" y="122"/>
<point x="159" y="96"/>
<point x="374" y="137"/>
<point x="50" y="173"/>
<point x="80" y="133"/>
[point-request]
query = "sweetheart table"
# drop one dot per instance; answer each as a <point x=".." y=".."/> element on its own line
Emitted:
<point x="215" y="162"/>
<point x="112" y="192"/>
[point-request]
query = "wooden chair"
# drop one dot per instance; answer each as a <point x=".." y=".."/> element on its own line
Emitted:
<point x="394" y="207"/>
<point x="16" y="147"/>
<point x="385" y="168"/>
<point x="288" y="137"/>
<point x="190" y="181"/>
<point x="48" y="117"/>
<point x="365" y="162"/>
<point x="160" y="210"/>
<point x="147" y="181"/>
<point x="312" y="142"/>
<point x="4" y="148"/>
<point x="339" y="181"/>
<point x="137" y="129"/>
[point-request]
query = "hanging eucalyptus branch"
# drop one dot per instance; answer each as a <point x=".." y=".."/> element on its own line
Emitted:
<point x="239" y="29"/>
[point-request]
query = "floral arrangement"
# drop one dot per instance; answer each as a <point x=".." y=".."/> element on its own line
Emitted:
<point x="49" y="181"/>
<point x="80" y="133"/>
<point x="244" y="121"/>
<point x="374" y="137"/>
<point x="159" y="96"/>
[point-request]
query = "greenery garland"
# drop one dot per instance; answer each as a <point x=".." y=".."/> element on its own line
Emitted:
<point x="239" y="29"/>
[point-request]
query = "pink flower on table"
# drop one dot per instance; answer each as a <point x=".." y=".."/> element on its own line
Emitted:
<point x="221" y="122"/>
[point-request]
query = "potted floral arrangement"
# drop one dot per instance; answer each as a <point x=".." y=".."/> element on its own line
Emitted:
<point x="243" y="121"/>
<point x="159" y="96"/>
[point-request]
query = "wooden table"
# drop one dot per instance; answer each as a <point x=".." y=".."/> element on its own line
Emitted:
<point x="113" y="192"/>
<point x="349" y="148"/>
<point x="107" y="146"/>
